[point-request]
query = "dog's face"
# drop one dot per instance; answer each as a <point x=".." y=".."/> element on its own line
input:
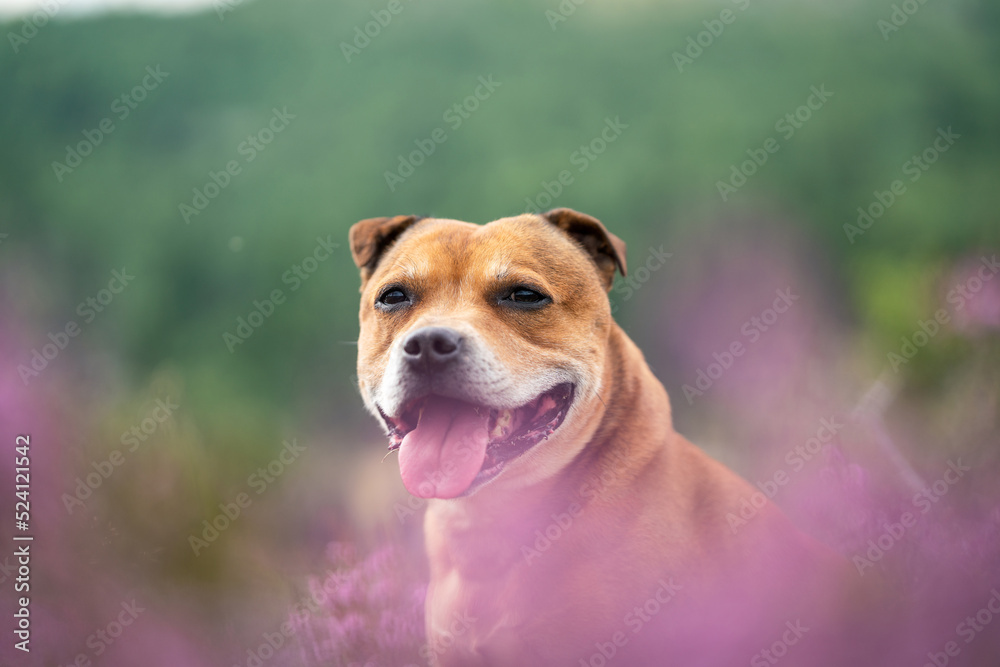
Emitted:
<point x="481" y="348"/>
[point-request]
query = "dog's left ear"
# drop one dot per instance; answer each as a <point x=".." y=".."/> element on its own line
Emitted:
<point x="370" y="238"/>
<point x="606" y="249"/>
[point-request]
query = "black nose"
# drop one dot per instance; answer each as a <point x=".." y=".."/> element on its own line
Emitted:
<point x="432" y="346"/>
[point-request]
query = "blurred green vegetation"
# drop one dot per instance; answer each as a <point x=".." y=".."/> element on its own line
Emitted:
<point x="353" y="120"/>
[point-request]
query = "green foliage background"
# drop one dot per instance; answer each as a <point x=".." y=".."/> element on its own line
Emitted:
<point x="686" y="129"/>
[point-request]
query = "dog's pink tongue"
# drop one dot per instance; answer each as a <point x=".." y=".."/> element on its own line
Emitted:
<point x="443" y="454"/>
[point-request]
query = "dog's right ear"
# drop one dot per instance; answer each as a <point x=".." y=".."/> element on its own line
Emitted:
<point x="370" y="238"/>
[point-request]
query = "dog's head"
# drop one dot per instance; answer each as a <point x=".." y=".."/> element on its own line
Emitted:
<point x="482" y="348"/>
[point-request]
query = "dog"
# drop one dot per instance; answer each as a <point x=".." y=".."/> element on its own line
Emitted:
<point x="568" y="523"/>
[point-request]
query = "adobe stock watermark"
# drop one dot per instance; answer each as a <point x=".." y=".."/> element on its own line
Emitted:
<point x="925" y="499"/>
<point x="628" y="285"/>
<point x="105" y="636"/>
<point x="455" y="116"/>
<point x="959" y="296"/>
<point x="786" y="126"/>
<point x="968" y="289"/>
<point x="258" y="481"/>
<point x="565" y="9"/>
<point x="442" y="639"/>
<point x="968" y="629"/>
<point x="381" y="18"/>
<point x="121" y="108"/>
<point x="914" y="168"/>
<point x="429" y="483"/>
<point x="271" y="644"/>
<point x="797" y="458"/>
<point x="780" y="647"/>
<point x="30" y="25"/>
<point x="88" y="310"/>
<point x="428" y="486"/>
<point x="311" y="603"/>
<point x="899" y="17"/>
<point x="546" y="537"/>
<point x="752" y="330"/>
<point x="405" y="510"/>
<point x="697" y="44"/>
<point x="634" y="621"/>
<point x="248" y="149"/>
<point x="295" y="276"/>
<point x="581" y="158"/>
<point x="133" y="438"/>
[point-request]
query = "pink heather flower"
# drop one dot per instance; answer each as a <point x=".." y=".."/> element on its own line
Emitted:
<point x="371" y="614"/>
<point x="973" y="300"/>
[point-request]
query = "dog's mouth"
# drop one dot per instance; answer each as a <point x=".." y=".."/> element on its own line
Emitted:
<point x="449" y="447"/>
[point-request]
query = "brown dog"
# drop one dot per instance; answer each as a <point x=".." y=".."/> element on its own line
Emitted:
<point x="570" y="524"/>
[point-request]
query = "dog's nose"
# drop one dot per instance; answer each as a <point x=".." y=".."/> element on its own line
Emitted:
<point x="432" y="346"/>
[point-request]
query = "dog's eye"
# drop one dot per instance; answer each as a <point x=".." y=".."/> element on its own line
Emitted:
<point x="393" y="297"/>
<point x="523" y="296"/>
<point x="526" y="296"/>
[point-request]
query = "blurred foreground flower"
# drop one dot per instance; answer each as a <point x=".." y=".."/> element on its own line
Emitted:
<point x="975" y="294"/>
<point x="371" y="612"/>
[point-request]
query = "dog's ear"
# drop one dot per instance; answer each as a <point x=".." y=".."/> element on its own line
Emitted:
<point x="370" y="238"/>
<point x="607" y="250"/>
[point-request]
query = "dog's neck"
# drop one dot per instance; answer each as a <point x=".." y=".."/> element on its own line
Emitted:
<point x="634" y="407"/>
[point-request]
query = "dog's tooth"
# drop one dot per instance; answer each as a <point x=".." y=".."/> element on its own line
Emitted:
<point x="504" y="418"/>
